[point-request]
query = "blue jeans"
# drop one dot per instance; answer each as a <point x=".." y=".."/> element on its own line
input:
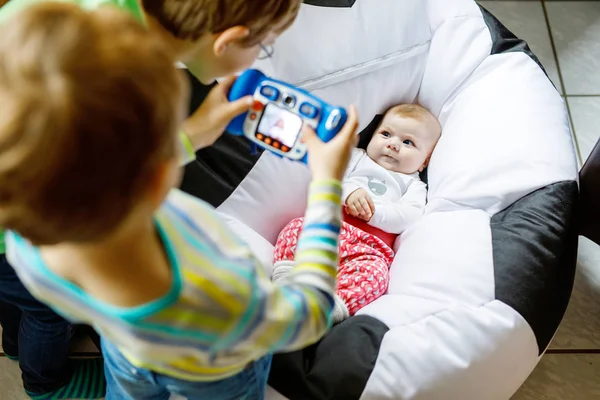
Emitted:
<point x="126" y="382"/>
<point x="34" y="333"/>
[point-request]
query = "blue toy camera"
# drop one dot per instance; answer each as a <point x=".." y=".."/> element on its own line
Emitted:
<point x="275" y="120"/>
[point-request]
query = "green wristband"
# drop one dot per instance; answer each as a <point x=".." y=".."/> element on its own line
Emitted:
<point x="188" y="149"/>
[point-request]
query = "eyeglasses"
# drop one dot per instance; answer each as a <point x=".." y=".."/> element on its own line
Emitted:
<point x="265" y="52"/>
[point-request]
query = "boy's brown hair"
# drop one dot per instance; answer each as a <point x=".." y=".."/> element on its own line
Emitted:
<point x="90" y="103"/>
<point x="190" y="19"/>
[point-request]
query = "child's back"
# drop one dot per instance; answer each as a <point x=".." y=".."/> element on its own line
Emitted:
<point x="89" y="157"/>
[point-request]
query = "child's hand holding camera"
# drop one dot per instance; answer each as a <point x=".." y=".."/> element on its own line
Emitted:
<point x="210" y="120"/>
<point x="329" y="160"/>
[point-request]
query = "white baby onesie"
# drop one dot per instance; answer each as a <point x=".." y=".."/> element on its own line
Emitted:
<point x="399" y="198"/>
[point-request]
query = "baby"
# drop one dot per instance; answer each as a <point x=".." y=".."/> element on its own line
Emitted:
<point x="382" y="196"/>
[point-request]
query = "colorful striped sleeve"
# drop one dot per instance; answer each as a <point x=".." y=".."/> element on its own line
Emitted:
<point x="291" y="315"/>
<point x="186" y="149"/>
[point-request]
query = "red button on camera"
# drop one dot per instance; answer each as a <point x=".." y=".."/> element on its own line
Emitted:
<point x="257" y="106"/>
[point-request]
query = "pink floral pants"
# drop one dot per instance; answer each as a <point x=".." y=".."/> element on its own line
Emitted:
<point x="363" y="273"/>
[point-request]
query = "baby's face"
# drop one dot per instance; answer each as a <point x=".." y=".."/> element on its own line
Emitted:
<point x="404" y="144"/>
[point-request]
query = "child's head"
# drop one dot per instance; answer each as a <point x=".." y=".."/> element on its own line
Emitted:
<point x="221" y="37"/>
<point x="90" y="104"/>
<point x="405" y="139"/>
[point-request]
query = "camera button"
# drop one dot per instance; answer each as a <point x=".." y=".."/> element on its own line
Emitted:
<point x="333" y="120"/>
<point x="308" y="110"/>
<point x="257" y="106"/>
<point x="269" y="92"/>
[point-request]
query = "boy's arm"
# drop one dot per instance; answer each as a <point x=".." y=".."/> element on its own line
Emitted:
<point x="294" y="314"/>
<point x="210" y="120"/>
<point x="396" y="217"/>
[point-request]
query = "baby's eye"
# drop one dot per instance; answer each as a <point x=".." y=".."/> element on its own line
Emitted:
<point x="408" y="142"/>
<point x="386" y="134"/>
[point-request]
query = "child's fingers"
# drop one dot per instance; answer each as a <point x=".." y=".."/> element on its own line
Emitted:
<point x="365" y="206"/>
<point x="309" y="136"/>
<point x="221" y="89"/>
<point x="370" y="203"/>
<point x="348" y="131"/>
<point x="352" y="208"/>
<point x="359" y="206"/>
<point x="235" y="108"/>
<point x="226" y="83"/>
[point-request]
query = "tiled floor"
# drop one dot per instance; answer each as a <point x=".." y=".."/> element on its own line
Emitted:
<point x="565" y="35"/>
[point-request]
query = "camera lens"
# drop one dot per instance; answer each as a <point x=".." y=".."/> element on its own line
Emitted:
<point x="289" y="100"/>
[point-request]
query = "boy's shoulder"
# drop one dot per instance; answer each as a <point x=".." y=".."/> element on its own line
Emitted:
<point x="200" y="218"/>
<point x="189" y="207"/>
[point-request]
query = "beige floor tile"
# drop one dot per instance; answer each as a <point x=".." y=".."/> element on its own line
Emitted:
<point x="580" y="328"/>
<point x="11" y="387"/>
<point x="563" y="377"/>
<point x="586" y="121"/>
<point x="527" y="21"/>
<point x="576" y="29"/>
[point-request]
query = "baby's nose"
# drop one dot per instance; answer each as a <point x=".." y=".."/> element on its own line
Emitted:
<point x="394" y="146"/>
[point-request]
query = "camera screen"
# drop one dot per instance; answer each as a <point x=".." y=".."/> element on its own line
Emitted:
<point x="279" y="127"/>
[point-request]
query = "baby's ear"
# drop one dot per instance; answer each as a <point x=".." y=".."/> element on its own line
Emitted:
<point x="425" y="164"/>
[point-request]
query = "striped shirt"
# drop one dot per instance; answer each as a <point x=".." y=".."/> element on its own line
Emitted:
<point x="222" y="311"/>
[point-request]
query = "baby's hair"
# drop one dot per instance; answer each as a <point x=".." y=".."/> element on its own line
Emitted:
<point x="190" y="19"/>
<point x="410" y="110"/>
<point x="90" y="105"/>
<point x="415" y="111"/>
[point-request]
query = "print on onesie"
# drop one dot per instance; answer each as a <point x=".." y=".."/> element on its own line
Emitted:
<point x="379" y="188"/>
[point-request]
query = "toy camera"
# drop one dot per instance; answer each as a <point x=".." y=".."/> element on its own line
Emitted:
<point x="275" y="120"/>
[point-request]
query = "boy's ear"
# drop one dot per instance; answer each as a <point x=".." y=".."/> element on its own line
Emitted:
<point x="228" y="36"/>
<point x="165" y="178"/>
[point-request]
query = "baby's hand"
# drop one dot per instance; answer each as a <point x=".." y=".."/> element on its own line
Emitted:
<point x="360" y="205"/>
<point x="209" y="121"/>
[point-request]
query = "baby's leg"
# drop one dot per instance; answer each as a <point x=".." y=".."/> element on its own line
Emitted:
<point x="285" y="249"/>
<point x="363" y="275"/>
